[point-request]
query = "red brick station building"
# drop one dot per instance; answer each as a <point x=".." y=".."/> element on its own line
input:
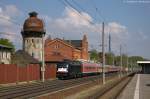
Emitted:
<point x="60" y="49"/>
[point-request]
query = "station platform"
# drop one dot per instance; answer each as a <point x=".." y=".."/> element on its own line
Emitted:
<point x="138" y="88"/>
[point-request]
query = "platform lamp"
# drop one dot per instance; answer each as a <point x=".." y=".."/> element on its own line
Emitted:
<point x="43" y="60"/>
<point x="103" y="53"/>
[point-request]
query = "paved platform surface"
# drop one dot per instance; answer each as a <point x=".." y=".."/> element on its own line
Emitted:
<point x="145" y="86"/>
<point x="138" y="88"/>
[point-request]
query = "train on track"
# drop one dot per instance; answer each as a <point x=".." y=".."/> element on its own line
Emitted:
<point x="74" y="69"/>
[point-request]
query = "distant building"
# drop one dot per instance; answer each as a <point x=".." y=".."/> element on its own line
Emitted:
<point x="5" y="54"/>
<point x="59" y="49"/>
<point x="145" y="66"/>
<point x="32" y="33"/>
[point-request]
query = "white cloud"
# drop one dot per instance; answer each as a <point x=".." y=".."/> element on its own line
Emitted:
<point x="72" y="26"/>
<point x="116" y="27"/>
<point x="75" y="18"/>
<point x="142" y="36"/>
<point x="11" y="10"/>
<point x="7" y="13"/>
<point x="72" y="20"/>
<point x="4" y="19"/>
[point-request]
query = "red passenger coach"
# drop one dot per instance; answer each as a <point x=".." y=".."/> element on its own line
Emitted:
<point x="112" y="68"/>
<point x="90" y="68"/>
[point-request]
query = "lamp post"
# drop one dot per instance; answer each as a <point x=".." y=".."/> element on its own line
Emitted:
<point x="127" y="64"/>
<point x="43" y="61"/>
<point x="103" y="52"/>
<point x="120" y="60"/>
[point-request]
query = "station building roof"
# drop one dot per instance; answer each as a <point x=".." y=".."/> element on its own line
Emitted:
<point x="143" y="62"/>
<point x="5" y="46"/>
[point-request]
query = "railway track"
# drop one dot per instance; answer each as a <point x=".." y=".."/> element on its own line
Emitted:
<point x="112" y="90"/>
<point x="36" y="89"/>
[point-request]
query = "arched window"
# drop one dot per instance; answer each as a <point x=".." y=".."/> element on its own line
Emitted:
<point x="32" y="54"/>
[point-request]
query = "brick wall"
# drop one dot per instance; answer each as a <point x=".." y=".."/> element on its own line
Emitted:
<point x="57" y="50"/>
<point x="50" y="72"/>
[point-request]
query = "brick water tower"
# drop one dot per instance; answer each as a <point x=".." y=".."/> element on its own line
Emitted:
<point x="33" y="33"/>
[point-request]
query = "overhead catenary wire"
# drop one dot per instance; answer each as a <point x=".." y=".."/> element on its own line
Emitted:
<point x="79" y="12"/>
<point x="101" y="17"/>
<point x="12" y="21"/>
<point x="10" y="34"/>
<point x="78" y="6"/>
<point x="98" y="12"/>
<point x="94" y="6"/>
<point x="67" y="3"/>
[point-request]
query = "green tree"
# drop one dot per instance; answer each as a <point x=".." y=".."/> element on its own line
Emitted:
<point x="124" y="60"/>
<point x="109" y="58"/>
<point x="6" y="42"/>
<point x="94" y="55"/>
<point x="133" y="60"/>
<point x="117" y="60"/>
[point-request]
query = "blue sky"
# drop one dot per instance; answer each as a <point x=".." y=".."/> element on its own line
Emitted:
<point x="126" y="20"/>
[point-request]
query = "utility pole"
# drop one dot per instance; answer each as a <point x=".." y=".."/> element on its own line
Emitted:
<point x="120" y="60"/>
<point x="109" y="50"/>
<point x="127" y="64"/>
<point x="103" y="52"/>
<point x="43" y="61"/>
<point x="131" y="66"/>
<point x="113" y="60"/>
<point x="109" y="43"/>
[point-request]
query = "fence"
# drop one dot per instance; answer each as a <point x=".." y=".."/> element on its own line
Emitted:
<point x="11" y="73"/>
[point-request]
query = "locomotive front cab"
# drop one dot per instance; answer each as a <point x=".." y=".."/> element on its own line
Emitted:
<point x="62" y="70"/>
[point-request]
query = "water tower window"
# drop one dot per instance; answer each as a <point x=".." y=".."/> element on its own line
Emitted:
<point x="32" y="40"/>
<point x="37" y="40"/>
<point x="32" y="54"/>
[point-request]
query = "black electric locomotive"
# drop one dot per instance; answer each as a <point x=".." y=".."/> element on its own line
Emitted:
<point x="69" y="69"/>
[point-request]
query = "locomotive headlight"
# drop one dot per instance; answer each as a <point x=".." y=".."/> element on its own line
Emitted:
<point x="62" y="69"/>
<point x="67" y="66"/>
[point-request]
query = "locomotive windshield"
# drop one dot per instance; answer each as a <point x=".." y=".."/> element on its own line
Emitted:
<point x="62" y="65"/>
